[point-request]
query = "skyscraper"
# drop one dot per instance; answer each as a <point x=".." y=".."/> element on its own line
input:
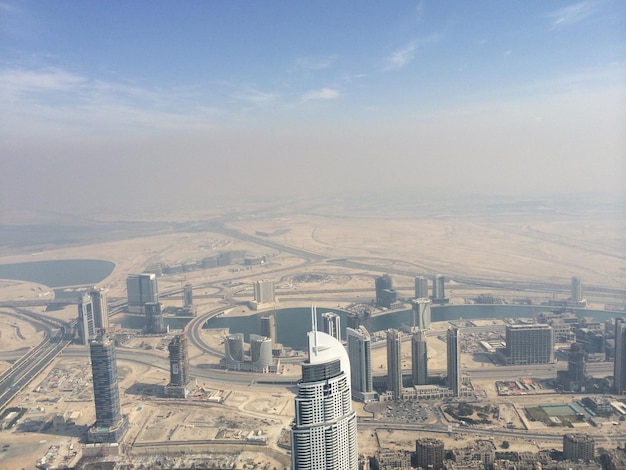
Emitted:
<point x="179" y="361"/>
<point x="188" y="295"/>
<point x="359" y="352"/>
<point x="324" y="432"/>
<point x="331" y="325"/>
<point x="154" y="318"/>
<point x="385" y="294"/>
<point x="419" y="358"/>
<point x="110" y="424"/>
<point x="264" y="291"/>
<point x="100" y="308"/>
<point x="86" y="322"/>
<point x="439" y="290"/>
<point x="421" y="287"/>
<point x="454" y="360"/>
<point x="429" y="453"/>
<point x="141" y="289"/>
<point x="421" y="313"/>
<point x="578" y="447"/>
<point x="260" y="353"/>
<point x="234" y="351"/>
<point x="619" y="365"/>
<point x="268" y="327"/>
<point x="577" y="289"/>
<point x="529" y="344"/>
<point x="394" y="363"/>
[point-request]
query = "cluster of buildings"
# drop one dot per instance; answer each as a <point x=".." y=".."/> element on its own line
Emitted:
<point x="386" y="295"/>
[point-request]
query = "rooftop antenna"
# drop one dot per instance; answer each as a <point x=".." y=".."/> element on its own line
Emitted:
<point x="314" y="325"/>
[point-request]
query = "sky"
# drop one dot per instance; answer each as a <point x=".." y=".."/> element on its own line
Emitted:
<point x="122" y="105"/>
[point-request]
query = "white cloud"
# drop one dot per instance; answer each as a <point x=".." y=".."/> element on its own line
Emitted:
<point x="402" y="56"/>
<point x="572" y="14"/>
<point x="258" y="98"/>
<point x="323" y="94"/>
<point x="18" y="81"/>
<point x="319" y="63"/>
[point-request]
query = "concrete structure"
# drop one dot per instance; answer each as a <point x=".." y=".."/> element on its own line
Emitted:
<point x="100" y="308"/>
<point x="187" y="295"/>
<point x="234" y="351"/>
<point x="86" y="324"/>
<point x="394" y="363"/>
<point x="264" y="291"/>
<point x="578" y="447"/>
<point x="429" y="453"/>
<point x="421" y="313"/>
<point x="529" y="344"/>
<point x="179" y="367"/>
<point x="439" y="290"/>
<point x="577" y="290"/>
<point x="331" y="325"/>
<point x="619" y="364"/>
<point x="260" y="353"/>
<point x="360" y="355"/>
<point x="385" y="294"/>
<point x="419" y="358"/>
<point x="324" y="433"/>
<point x="110" y="425"/>
<point x="141" y="289"/>
<point x="154" y="318"/>
<point x="421" y="287"/>
<point x="268" y="328"/>
<point x="453" y="343"/>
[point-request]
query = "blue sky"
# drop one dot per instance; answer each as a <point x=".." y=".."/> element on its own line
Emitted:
<point x="528" y="94"/>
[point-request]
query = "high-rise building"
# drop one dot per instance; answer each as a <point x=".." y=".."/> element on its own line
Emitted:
<point x="439" y="290"/>
<point x="419" y="358"/>
<point x="394" y="363"/>
<point x="86" y="322"/>
<point x="268" y="327"/>
<point x="421" y="313"/>
<point x="453" y="343"/>
<point x="154" y="318"/>
<point x="141" y="289"/>
<point x="385" y="294"/>
<point x="264" y="291"/>
<point x="577" y="289"/>
<point x="421" y="287"/>
<point x="188" y="295"/>
<point x="331" y="325"/>
<point x="100" y="308"/>
<point x="619" y="364"/>
<point x="529" y="344"/>
<point x="578" y="447"/>
<point x="576" y="363"/>
<point x="324" y="434"/>
<point x="260" y="353"/>
<point x="110" y="424"/>
<point x="429" y="453"/>
<point x="179" y="361"/>
<point x="360" y="354"/>
<point x="234" y="351"/>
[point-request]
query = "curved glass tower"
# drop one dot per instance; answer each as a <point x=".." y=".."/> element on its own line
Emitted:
<point x="323" y="436"/>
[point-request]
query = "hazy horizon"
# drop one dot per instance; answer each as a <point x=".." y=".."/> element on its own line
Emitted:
<point x="124" y="107"/>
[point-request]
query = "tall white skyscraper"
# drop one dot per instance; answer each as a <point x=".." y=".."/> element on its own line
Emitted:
<point x="324" y="434"/>
<point x="454" y="360"/>
<point x="100" y="308"/>
<point x="264" y="291"/>
<point x="394" y="363"/>
<point x="421" y="287"/>
<point x="421" y="313"/>
<point x="359" y="352"/>
<point x="419" y="357"/>
<point x="86" y="321"/>
<point x="331" y="324"/>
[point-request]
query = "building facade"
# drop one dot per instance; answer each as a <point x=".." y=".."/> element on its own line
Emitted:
<point x="324" y="433"/>
<point x="86" y="324"/>
<point x="529" y="344"/>
<point x="419" y="358"/>
<point x="264" y="291"/>
<point x="453" y="346"/>
<point x="100" y="308"/>
<point x="360" y="355"/>
<point x="439" y="290"/>
<point x="578" y="447"/>
<point x="619" y="364"/>
<point x="155" y="323"/>
<point x="385" y="294"/>
<point x="331" y="325"/>
<point x="260" y="353"/>
<point x="429" y="453"/>
<point x="421" y="287"/>
<point x="234" y="351"/>
<point x="421" y="313"/>
<point x="268" y="328"/>
<point x="188" y="295"/>
<point x="394" y="363"/>
<point x="141" y="289"/>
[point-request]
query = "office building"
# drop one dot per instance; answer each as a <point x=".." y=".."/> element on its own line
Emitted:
<point x="188" y="295"/>
<point x="453" y="345"/>
<point x="394" y="363"/>
<point x="141" y="289"/>
<point x="179" y="367"/>
<point x="578" y="447"/>
<point x="385" y="294"/>
<point x="331" y="325"/>
<point x="155" y="323"/>
<point x="110" y="425"/>
<point x="529" y="344"/>
<point x="260" y="353"/>
<point x="268" y="328"/>
<point x="100" y="308"/>
<point x="439" y="290"/>
<point x="264" y="291"/>
<point x="429" y="453"/>
<point x="577" y="289"/>
<point x="86" y="324"/>
<point x="576" y="364"/>
<point x="421" y="313"/>
<point x="234" y="351"/>
<point x="619" y="364"/>
<point x="324" y="433"/>
<point x="360" y="355"/>
<point x="421" y="287"/>
<point x="419" y="358"/>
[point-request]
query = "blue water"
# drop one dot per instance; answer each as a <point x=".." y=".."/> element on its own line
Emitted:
<point x="59" y="273"/>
